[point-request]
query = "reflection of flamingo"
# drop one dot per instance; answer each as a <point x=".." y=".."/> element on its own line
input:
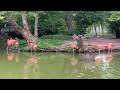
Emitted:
<point x="98" y="59"/>
<point x="108" y="58"/>
<point x="103" y="58"/>
<point x="73" y="47"/>
<point x="109" y="47"/>
<point x="73" y="62"/>
<point x="17" y="59"/>
<point x="31" y="67"/>
<point x="32" y="60"/>
<point x="10" y="57"/>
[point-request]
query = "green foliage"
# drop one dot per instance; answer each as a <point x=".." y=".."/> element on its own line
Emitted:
<point x="114" y="23"/>
<point x="22" y="43"/>
<point x="114" y="27"/>
<point x="84" y="19"/>
<point x="115" y="16"/>
<point x="51" y="22"/>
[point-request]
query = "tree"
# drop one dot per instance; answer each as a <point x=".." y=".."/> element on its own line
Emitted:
<point x="25" y="30"/>
<point x="114" y="23"/>
<point x="36" y="25"/>
<point x="68" y="20"/>
<point x="84" y="19"/>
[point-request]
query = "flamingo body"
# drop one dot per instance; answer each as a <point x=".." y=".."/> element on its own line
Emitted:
<point x="74" y="46"/>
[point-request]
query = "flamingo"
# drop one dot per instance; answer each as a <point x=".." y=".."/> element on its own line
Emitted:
<point x="10" y="42"/>
<point x="35" y="47"/>
<point x="99" y="47"/>
<point x="32" y="45"/>
<point x="16" y="45"/>
<point x="73" y="46"/>
<point x="109" y="47"/>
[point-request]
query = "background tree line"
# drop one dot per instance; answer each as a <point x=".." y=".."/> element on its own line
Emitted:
<point x="63" y="22"/>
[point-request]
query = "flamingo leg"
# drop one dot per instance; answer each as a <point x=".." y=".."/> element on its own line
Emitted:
<point x="73" y="51"/>
<point x="31" y="50"/>
<point x="99" y="51"/>
<point x="7" y="50"/>
<point x="111" y="51"/>
<point x="108" y="51"/>
<point x="35" y="51"/>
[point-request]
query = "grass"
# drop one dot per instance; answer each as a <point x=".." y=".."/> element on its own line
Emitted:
<point x="49" y="43"/>
<point x="60" y="37"/>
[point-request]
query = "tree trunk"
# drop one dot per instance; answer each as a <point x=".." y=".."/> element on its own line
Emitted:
<point x="95" y="30"/>
<point x="102" y="29"/>
<point x="68" y="20"/>
<point x="80" y="43"/>
<point x="36" y="26"/>
<point x="25" y="30"/>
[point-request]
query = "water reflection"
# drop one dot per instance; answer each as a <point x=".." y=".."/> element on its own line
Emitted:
<point x="87" y="66"/>
<point x="87" y="57"/>
<point x="104" y="65"/>
<point x="73" y="61"/>
<point x="31" y="68"/>
<point x="10" y="56"/>
<point x="82" y="66"/>
<point x="105" y="58"/>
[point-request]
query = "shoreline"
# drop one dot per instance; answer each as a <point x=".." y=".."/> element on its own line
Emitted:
<point x="70" y="51"/>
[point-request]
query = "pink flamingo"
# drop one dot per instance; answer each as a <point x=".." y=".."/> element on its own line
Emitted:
<point x="109" y="47"/>
<point x="32" y="45"/>
<point x="73" y="47"/>
<point x="16" y="45"/>
<point x="10" y="42"/>
<point x="99" y="47"/>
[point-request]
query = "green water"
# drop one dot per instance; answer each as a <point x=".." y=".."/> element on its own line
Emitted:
<point x="57" y="66"/>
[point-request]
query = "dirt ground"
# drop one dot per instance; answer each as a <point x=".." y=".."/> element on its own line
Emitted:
<point x="89" y="43"/>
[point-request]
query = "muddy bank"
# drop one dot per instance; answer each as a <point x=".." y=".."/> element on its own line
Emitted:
<point x="89" y="44"/>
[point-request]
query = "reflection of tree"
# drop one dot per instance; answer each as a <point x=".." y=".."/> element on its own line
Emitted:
<point x="31" y="68"/>
<point x="87" y="57"/>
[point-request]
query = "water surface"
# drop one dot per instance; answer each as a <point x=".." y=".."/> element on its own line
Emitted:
<point x="25" y="65"/>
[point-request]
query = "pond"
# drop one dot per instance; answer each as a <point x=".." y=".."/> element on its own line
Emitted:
<point x="24" y="65"/>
